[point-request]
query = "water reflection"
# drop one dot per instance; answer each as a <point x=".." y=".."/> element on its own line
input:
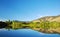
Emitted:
<point x="24" y="33"/>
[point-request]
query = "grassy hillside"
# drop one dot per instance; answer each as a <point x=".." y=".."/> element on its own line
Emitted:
<point x="48" y="18"/>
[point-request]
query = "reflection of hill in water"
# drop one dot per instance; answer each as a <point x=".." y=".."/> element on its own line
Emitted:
<point x="25" y="33"/>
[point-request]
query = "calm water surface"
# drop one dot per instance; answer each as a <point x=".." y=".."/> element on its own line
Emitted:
<point x="24" y="33"/>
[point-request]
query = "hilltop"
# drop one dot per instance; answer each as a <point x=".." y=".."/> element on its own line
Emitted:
<point x="48" y="18"/>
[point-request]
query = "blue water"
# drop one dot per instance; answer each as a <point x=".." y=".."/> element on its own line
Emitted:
<point x="24" y="33"/>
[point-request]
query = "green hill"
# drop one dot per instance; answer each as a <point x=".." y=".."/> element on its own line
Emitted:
<point x="48" y="24"/>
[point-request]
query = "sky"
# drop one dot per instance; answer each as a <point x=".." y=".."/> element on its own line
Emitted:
<point x="27" y="10"/>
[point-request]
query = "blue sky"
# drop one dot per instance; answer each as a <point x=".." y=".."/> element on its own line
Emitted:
<point x="27" y="10"/>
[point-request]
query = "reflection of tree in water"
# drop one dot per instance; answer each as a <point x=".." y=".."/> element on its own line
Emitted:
<point x="3" y="24"/>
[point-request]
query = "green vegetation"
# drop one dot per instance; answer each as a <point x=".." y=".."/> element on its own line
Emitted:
<point x="43" y="26"/>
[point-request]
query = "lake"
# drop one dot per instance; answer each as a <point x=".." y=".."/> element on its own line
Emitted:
<point x="24" y="33"/>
